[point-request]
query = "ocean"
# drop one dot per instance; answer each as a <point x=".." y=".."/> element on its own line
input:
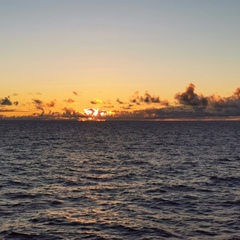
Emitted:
<point x="119" y="180"/>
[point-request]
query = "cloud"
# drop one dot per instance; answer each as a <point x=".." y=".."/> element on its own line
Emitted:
<point x="7" y="110"/>
<point x="225" y="105"/>
<point x="51" y="104"/>
<point x="69" y="100"/>
<point x="165" y="103"/>
<point x="146" y="98"/>
<point x="191" y="106"/>
<point x="236" y="94"/>
<point x="70" y="113"/>
<point x="119" y="101"/>
<point x="190" y="98"/>
<point x="213" y="105"/>
<point x="7" y="102"/>
<point x="96" y="101"/>
<point x="38" y="104"/>
<point x="188" y="104"/>
<point x="135" y="98"/>
<point x="108" y="106"/>
<point x="128" y="107"/>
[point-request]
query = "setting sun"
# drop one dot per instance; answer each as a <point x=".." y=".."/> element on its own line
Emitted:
<point x="119" y="119"/>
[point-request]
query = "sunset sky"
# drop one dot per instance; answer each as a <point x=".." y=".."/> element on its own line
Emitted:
<point x="175" y="58"/>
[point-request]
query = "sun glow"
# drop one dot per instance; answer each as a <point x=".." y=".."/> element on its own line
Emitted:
<point x="94" y="114"/>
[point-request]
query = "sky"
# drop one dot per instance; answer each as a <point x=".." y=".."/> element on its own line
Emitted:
<point x="127" y="58"/>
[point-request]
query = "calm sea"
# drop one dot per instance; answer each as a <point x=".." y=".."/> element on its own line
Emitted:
<point x="119" y="180"/>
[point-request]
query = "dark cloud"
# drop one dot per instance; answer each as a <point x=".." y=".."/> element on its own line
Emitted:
<point x="165" y="103"/>
<point x="96" y="101"/>
<point x="236" y="94"/>
<point x="51" y="104"/>
<point x="67" y="114"/>
<point x="146" y="98"/>
<point x="7" y="102"/>
<point x="108" y="106"/>
<point x="190" y="98"/>
<point x="128" y="107"/>
<point x="135" y="98"/>
<point x="7" y="110"/>
<point x="70" y="113"/>
<point x="69" y="100"/>
<point x="38" y="104"/>
<point x="211" y="106"/>
<point x="225" y="105"/>
<point x="192" y="106"/>
<point x="119" y="101"/>
<point x="172" y="112"/>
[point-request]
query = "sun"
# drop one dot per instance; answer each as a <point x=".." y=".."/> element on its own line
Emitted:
<point x="95" y="114"/>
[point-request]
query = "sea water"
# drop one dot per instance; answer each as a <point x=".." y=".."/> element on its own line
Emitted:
<point x="119" y="180"/>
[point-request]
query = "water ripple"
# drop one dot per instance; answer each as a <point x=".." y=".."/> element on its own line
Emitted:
<point x="118" y="180"/>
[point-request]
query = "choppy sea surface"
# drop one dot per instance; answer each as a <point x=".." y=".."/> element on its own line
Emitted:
<point x="119" y="180"/>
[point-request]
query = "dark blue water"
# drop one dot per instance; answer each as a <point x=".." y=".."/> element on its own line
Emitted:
<point x="119" y="180"/>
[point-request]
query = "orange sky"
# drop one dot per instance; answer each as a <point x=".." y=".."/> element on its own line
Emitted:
<point x="62" y="55"/>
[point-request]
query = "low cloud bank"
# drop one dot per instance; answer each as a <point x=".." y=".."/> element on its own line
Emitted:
<point x="188" y="104"/>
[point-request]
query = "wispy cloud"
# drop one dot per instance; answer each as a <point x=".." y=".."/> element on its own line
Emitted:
<point x="119" y="101"/>
<point x="69" y="100"/>
<point x="51" y="104"/>
<point x="7" y="110"/>
<point x="96" y="101"/>
<point x="40" y="105"/>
